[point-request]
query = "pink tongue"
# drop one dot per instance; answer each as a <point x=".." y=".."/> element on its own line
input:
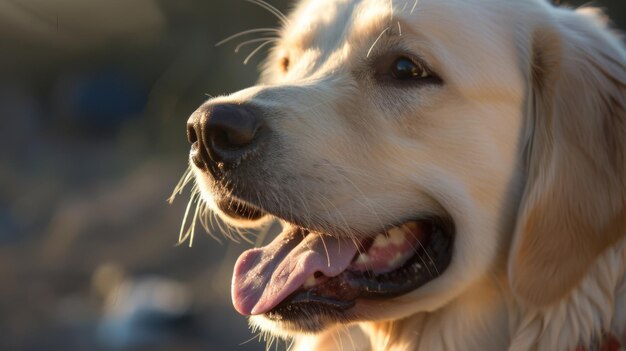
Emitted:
<point x="265" y="276"/>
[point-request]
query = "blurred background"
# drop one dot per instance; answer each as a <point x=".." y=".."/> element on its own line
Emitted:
<point x="94" y="96"/>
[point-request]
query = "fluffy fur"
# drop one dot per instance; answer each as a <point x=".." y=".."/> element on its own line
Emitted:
<point x="523" y="145"/>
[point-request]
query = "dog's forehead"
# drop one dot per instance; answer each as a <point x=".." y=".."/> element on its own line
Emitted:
<point x="319" y="22"/>
<point x="327" y="25"/>
<point x="456" y="35"/>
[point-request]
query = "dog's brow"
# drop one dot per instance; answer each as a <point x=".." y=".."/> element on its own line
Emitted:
<point x="370" y="15"/>
<point x="380" y="38"/>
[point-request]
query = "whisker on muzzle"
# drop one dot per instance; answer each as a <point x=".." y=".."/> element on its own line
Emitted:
<point x="247" y="32"/>
<point x="182" y="183"/>
<point x="255" y="51"/>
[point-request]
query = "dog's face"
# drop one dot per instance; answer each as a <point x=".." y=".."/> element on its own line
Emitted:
<point x="386" y="137"/>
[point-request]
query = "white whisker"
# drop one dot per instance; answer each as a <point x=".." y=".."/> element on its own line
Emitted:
<point x="246" y="32"/>
<point x="421" y="259"/>
<point x="252" y="41"/>
<point x="183" y="224"/>
<point x="270" y="8"/>
<point x="376" y="41"/>
<point x="406" y="4"/>
<point x="255" y="336"/>
<point x="193" y="222"/>
<point x="182" y="183"/>
<point x="270" y="41"/>
<point x="414" y="6"/>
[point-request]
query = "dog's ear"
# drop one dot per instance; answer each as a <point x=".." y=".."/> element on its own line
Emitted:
<point x="574" y="202"/>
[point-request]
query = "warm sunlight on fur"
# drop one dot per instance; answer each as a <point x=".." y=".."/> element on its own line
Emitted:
<point x="450" y="175"/>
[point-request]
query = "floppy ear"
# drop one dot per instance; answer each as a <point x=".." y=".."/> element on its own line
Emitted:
<point x="574" y="202"/>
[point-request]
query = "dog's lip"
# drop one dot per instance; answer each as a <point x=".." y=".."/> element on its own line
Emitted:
<point x="277" y="277"/>
<point x="239" y="210"/>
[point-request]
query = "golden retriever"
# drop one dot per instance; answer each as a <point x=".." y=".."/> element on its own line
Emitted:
<point x="450" y="175"/>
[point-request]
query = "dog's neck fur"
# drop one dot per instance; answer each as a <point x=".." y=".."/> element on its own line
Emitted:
<point x="487" y="317"/>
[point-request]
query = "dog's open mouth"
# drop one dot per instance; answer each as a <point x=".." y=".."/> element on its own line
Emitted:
<point x="309" y="271"/>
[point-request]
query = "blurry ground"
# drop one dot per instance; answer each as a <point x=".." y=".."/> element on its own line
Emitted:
<point x="94" y="97"/>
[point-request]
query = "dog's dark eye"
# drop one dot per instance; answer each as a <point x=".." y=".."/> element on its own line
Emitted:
<point x="405" y="69"/>
<point x="284" y="64"/>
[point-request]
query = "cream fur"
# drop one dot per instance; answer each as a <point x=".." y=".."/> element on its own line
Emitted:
<point x="523" y="145"/>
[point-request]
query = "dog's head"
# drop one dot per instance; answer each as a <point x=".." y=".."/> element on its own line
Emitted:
<point x="407" y="146"/>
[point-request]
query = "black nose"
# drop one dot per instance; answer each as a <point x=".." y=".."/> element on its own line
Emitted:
<point x="223" y="133"/>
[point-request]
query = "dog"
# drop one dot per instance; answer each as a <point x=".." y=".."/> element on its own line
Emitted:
<point x="449" y="175"/>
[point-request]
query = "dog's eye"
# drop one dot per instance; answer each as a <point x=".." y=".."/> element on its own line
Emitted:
<point x="398" y="69"/>
<point x="405" y="69"/>
<point x="284" y="64"/>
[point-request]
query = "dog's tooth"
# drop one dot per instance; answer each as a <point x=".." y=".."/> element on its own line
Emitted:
<point x="310" y="282"/>
<point x="362" y="259"/>
<point x="395" y="260"/>
<point x="381" y="240"/>
<point x="396" y="235"/>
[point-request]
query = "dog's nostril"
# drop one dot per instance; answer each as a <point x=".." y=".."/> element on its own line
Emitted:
<point x="197" y="156"/>
<point x="230" y="132"/>
<point x="229" y="137"/>
<point x="192" y="137"/>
